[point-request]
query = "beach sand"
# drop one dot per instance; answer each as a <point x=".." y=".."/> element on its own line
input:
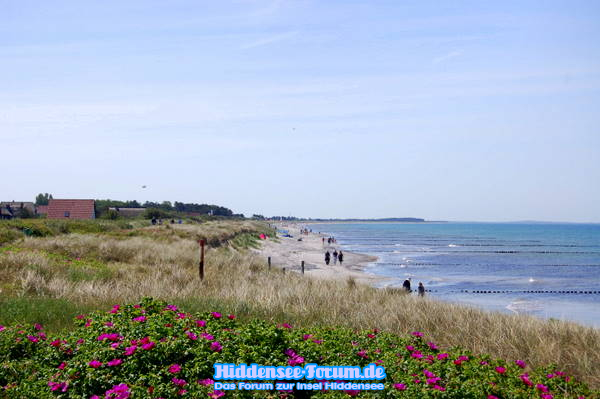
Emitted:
<point x="289" y="253"/>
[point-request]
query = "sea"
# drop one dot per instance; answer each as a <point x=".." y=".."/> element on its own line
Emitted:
<point x="543" y="269"/>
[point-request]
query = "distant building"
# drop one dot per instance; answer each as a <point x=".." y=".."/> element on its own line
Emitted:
<point x="42" y="209"/>
<point x="71" y="209"/>
<point x="128" y="212"/>
<point x="16" y="209"/>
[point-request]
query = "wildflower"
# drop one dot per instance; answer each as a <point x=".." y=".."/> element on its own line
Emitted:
<point x="216" y="315"/>
<point x="417" y="334"/>
<point x="286" y="325"/>
<point x="439" y="388"/>
<point x="431" y="381"/>
<point x="115" y="345"/>
<point x="483" y="363"/>
<point x="370" y="335"/>
<point x="428" y="374"/>
<point x="352" y="392"/>
<point x="441" y="356"/>
<point x="410" y="348"/>
<point x="120" y="391"/>
<point x="191" y="335"/>
<point x="180" y="316"/>
<point x="2" y="328"/>
<point x="363" y="354"/>
<point x="179" y="382"/>
<point x="171" y="307"/>
<point x="432" y="346"/>
<point x="148" y="346"/>
<point x="115" y="309"/>
<point x="201" y="323"/>
<point x="140" y="319"/>
<point x="520" y="363"/>
<point x="80" y="341"/>
<point x="492" y="397"/>
<point x="307" y="336"/>
<point x="317" y="341"/>
<point x="58" y="386"/>
<point x="95" y="364"/>
<point x="62" y="366"/>
<point x="181" y="392"/>
<point x="130" y="350"/>
<point x="525" y="379"/>
<point x="542" y="387"/>
<point x="206" y="382"/>
<point x="216" y="394"/>
<point x="80" y="317"/>
<point x="32" y="338"/>
<point x="231" y="317"/>
<point x="175" y="368"/>
<point x="216" y="346"/>
<point x="109" y="324"/>
<point x="416" y="355"/>
<point x="38" y="326"/>
<point x="500" y="370"/>
<point x="114" y="362"/>
<point x="207" y="336"/>
<point x="546" y="396"/>
<point x="399" y="386"/>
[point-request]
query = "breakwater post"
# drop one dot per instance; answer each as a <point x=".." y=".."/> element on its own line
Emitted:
<point x="302" y="267"/>
<point x="269" y="262"/>
<point x="201" y="265"/>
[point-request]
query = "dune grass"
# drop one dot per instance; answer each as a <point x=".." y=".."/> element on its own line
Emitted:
<point x="39" y="284"/>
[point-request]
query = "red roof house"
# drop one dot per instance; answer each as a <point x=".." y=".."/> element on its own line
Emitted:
<point x="71" y="209"/>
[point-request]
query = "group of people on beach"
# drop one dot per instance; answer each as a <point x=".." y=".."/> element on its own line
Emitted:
<point x="330" y="240"/>
<point x="337" y="256"/>
<point x="420" y="289"/>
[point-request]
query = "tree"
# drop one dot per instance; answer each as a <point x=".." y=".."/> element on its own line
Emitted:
<point x="43" y="199"/>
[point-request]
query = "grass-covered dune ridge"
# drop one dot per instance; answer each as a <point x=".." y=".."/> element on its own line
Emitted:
<point x="51" y="279"/>
<point x="152" y="350"/>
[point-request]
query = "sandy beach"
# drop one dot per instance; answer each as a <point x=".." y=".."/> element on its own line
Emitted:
<point x="290" y="252"/>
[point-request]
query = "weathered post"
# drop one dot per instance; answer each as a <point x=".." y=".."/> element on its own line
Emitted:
<point x="269" y="261"/>
<point x="283" y="270"/>
<point x="302" y="267"/>
<point x="201" y="265"/>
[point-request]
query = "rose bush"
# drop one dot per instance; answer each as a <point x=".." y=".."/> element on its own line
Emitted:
<point x="155" y="350"/>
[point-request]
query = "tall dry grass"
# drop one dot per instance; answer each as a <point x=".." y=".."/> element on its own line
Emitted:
<point x="238" y="281"/>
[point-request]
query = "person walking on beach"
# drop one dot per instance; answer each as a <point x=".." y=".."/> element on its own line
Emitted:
<point x="335" y="256"/>
<point x="406" y="284"/>
<point x="323" y="239"/>
<point x="341" y="257"/>
<point x="421" y="289"/>
<point x="327" y="258"/>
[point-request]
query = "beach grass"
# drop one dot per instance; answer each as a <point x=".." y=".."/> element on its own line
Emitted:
<point x="50" y="279"/>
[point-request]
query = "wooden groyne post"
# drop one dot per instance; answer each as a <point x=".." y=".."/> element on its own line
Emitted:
<point x="302" y="267"/>
<point x="201" y="265"/>
<point x="269" y="262"/>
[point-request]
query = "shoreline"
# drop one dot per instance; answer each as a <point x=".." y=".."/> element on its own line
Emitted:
<point x="289" y="253"/>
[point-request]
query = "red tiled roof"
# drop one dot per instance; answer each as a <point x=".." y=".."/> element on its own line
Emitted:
<point x="71" y="209"/>
<point x="42" y="209"/>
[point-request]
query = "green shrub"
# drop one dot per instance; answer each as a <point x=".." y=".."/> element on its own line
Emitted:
<point x="155" y="350"/>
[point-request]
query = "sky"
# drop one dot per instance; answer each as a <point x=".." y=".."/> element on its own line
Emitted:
<point x="462" y="110"/>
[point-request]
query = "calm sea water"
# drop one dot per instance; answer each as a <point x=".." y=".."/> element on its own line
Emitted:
<point x="526" y="264"/>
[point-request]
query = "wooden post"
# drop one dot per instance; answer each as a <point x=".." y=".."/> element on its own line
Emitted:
<point x="201" y="265"/>
<point x="269" y="261"/>
<point x="284" y="270"/>
<point x="302" y="267"/>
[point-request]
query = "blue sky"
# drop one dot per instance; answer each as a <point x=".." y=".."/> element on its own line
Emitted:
<point x="466" y="110"/>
